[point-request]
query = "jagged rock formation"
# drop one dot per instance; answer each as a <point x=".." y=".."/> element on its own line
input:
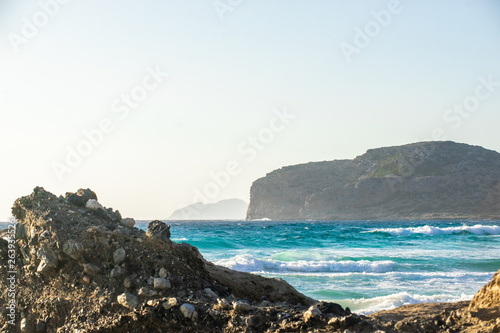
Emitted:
<point x="229" y="209"/>
<point x="417" y="181"/>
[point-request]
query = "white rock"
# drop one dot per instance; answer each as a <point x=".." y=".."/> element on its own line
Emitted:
<point x="189" y="311"/>
<point x="210" y="293"/>
<point x="170" y="303"/>
<point x="146" y="292"/>
<point x="241" y="306"/>
<point x="94" y="205"/>
<point x="223" y="303"/>
<point x="117" y="272"/>
<point x="161" y="284"/>
<point x="119" y="256"/>
<point x="312" y="312"/>
<point x="128" y="300"/>
<point x="163" y="273"/>
<point x="128" y="222"/>
<point x="91" y="270"/>
<point x="25" y="326"/>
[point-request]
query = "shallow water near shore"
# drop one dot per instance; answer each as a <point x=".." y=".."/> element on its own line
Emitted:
<point x="366" y="265"/>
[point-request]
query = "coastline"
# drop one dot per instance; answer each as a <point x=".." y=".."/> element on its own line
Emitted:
<point x="83" y="266"/>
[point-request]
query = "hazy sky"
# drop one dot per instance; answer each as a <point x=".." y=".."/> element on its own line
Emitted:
<point x="142" y="101"/>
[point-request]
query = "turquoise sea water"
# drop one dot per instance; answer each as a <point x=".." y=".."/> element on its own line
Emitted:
<point x="366" y="265"/>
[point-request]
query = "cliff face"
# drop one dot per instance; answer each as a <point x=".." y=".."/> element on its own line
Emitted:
<point x="416" y="181"/>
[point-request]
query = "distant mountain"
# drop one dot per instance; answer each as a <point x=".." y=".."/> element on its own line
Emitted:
<point x="230" y="209"/>
<point x="426" y="180"/>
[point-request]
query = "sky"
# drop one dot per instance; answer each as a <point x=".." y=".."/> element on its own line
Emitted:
<point x="157" y="104"/>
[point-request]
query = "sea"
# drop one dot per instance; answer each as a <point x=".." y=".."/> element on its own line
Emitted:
<point x="368" y="266"/>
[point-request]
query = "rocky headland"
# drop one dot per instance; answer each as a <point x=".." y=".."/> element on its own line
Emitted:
<point x="81" y="267"/>
<point x="229" y="209"/>
<point x="426" y="180"/>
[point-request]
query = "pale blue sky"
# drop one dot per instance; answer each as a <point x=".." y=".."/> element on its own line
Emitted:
<point x="225" y="79"/>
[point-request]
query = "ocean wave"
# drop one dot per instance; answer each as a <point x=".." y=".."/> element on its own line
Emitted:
<point x="441" y="275"/>
<point x="368" y="306"/>
<point x="478" y="229"/>
<point x="248" y="263"/>
<point x="183" y="239"/>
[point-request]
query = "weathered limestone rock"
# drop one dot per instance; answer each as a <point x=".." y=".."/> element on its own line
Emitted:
<point x="119" y="256"/>
<point x="128" y="300"/>
<point x="48" y="261"/>
<point x="172" y="302"/>
<point x="161" y="284"/>
<point x="128" y="222"/>
<point x="94" y="205"/>
<point x="163" y="273"/>
<point x="73" y="249"/>
<point x="91" y="270"/>
<point x="312" y="313"/>
<point x="189" y="311"/>
<point x="159" y="230"/>
<point x="147" y="292"/>
<point x="242" y="306"/>
<point x="81" y="197"/>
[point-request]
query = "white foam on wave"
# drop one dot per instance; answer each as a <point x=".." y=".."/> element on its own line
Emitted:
<point x="381" y="303"/>
<point x="444" y="275"/>
<point x="478" y="229"/>
<point x="183" y="239"/>
<point x="248" y="263"/>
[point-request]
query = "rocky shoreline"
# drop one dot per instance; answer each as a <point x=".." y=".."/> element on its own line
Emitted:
<point x="81" y="267"/>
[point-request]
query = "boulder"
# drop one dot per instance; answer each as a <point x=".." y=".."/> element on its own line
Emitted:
<point x="119" y="256"/>
<point x="128" y="222"/>
<point x="210" y="293"/>
<point x="48" y="261"/>
<point x="81" y="197"/>
<point x="93" y="205"/>
<point x="312" y="313"/>
<point x="189" y="311"/>
<point x="242" y="306"/>
<point x="170" y="303"/>
<point x="163" y="273"/>
<point x="73" y="249"/>
<point x="116" y="272"/>
<point x="160" y="230"/>
<point x="128" y="300"/>
<point x="147" y="292"/>
<point x="161" y="284"/>
<point x="91" y="269"/>
<point x="26" y="326"/>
